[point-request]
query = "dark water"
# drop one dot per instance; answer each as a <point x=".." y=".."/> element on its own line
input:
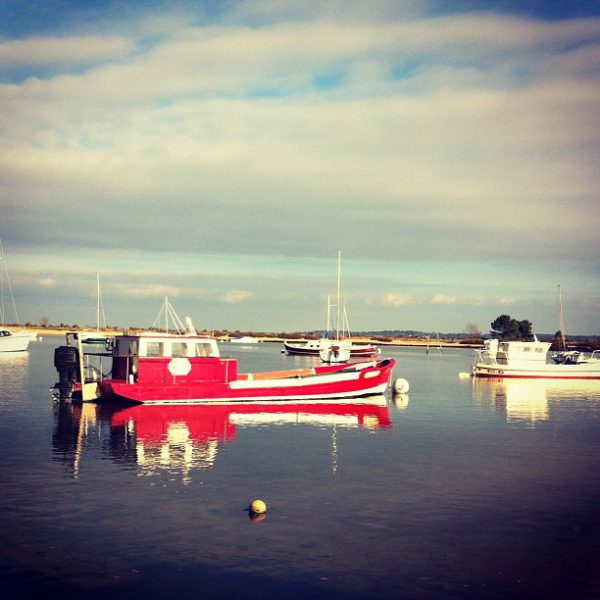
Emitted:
<point x="461" y="490"/>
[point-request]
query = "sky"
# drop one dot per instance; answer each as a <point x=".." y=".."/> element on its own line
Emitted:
<point x="221" y="154"/>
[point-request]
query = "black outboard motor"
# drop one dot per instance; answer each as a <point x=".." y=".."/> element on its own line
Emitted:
<point x="66" y="361"/>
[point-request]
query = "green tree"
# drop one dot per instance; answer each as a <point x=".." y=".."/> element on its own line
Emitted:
<point x="505" y="327"/>
<point x="525" y="330"/>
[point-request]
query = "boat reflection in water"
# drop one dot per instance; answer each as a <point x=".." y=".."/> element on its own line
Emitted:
<point x="185" y="438"/>
<point x="527" y="401"/>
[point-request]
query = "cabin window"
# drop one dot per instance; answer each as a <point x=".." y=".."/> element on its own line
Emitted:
<point x="154" y="348"/>
<point x="203" y="349"/>
<point x="126" y="346"/>
<point x="179" y="349"/>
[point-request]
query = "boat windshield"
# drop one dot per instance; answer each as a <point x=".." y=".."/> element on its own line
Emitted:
<point x="166" y="348"/>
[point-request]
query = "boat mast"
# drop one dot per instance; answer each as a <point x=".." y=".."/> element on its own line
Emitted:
<point x="562" y="320"/>
<point x="337" y="321"/>
<point x="97" y="302"/>
<point x="4" y="274"/>
<point x="166" y="314"/>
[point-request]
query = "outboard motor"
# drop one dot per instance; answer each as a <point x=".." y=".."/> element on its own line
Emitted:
<point x="66" y="361"/>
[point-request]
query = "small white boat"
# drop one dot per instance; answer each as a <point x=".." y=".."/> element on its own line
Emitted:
<point x="13" y="342"/>
<point x="335" y="351"/>
<point x="245" y="339"/>
<point x="312" y="348"/>
<point x="337" y="346"/>
<point x="531" y="360"/>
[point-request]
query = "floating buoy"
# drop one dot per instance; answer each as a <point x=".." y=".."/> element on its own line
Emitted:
<point x="464" y="375"/>
<point x="258" y="507"/>
<point x="401" y="386"/>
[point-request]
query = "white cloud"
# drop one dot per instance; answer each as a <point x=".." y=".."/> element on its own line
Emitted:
<point x="148" y="290"/>
<point x="47" y="282"/>
<point x="68" y="50"/>
<point x="236" y="296"/>
<point x="506" y="301"/>
<point x="468" y="137"/>
<point x="443" y="299"/>
<point x="396" y="300"/>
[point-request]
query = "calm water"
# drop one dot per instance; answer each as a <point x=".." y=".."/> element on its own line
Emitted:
<point x="462" y="489"/>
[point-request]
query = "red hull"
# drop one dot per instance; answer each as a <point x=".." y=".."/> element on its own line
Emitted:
<point x="335" y="382"/>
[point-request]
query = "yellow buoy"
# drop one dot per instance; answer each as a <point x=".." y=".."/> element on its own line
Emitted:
<point x="258" y="507"/>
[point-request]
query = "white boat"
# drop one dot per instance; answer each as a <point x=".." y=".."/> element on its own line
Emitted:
<point x="335" y="346"/>
<point x="10" y="341"/>
<point x="335" y="351"/>
<point x="312" y="347"/>
<point x="245" y="339"/>
<point x="531" y="360"/>
<point x="13" y="342"/>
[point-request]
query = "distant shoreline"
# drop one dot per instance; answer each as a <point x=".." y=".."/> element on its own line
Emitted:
<point x="401" y="341"/>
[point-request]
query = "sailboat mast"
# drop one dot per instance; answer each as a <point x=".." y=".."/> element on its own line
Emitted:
<point x="562" y="320"/>
<point x="97" y="302"/>
<point x="337" y="321"/>
<point x="166" y="314"/>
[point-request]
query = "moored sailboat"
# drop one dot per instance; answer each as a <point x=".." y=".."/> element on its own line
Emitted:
<point x="337" y="344"/>
<point x="10" y="341"/>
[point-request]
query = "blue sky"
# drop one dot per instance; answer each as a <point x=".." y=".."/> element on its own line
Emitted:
<point x="222" y="154"/>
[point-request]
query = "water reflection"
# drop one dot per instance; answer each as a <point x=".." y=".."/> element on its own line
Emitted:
<point x="186" y="438"/>
<point x="400" y="401"/>
<point x="14" y="375"/>
<point x="74" y="426"/>
<point x="528" y="401"/>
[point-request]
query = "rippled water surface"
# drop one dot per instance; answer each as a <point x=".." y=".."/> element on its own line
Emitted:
<point x="461" y="489"/>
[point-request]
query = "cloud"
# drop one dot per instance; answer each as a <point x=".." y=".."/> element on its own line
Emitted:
<point x="47" y="282"/>
<point x="272" y="130"/>
<point x="236" y="296"/>
<point x="444" y="299"/>
<point x="506" y="301"/>
<point x="392" y="299"/>
<point x="141" y="290"/>
<point x="66" y="50"/>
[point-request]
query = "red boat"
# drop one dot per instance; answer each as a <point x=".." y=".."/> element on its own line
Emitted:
<point x="176" y="369"/>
